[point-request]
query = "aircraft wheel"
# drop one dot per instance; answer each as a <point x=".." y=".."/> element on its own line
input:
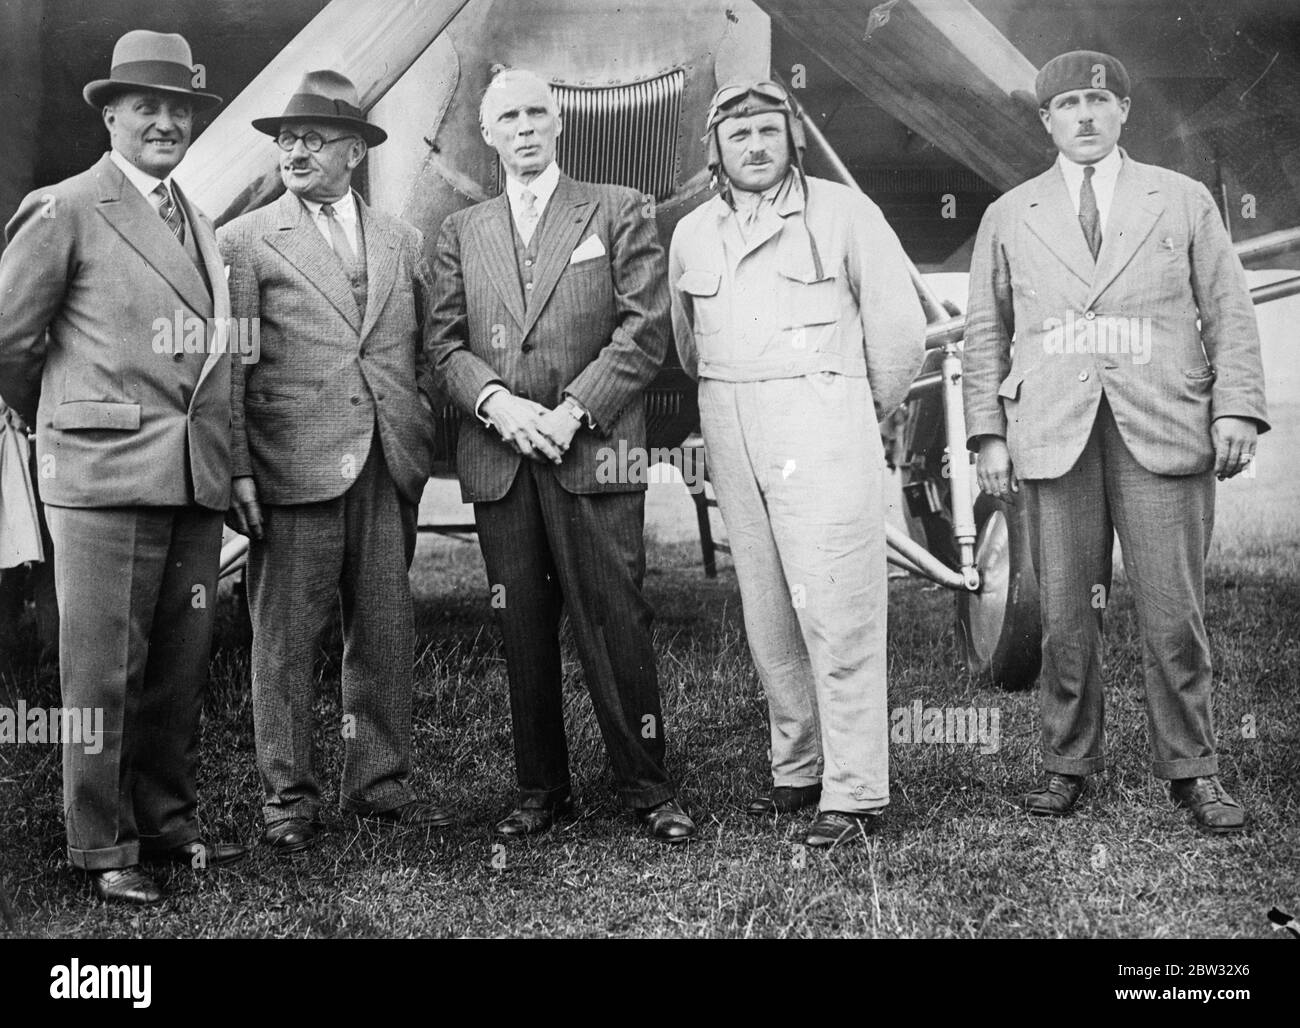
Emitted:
<point x="999" y="627"/>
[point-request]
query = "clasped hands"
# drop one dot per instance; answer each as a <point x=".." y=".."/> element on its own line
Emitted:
<point x="529" y="428"/>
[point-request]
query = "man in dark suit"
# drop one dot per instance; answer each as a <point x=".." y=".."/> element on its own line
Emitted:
<point x="549" y="322"/>
<point x="133" y="452"/>
<point x="333" y="437"/>
<point x="1136" y="379"/>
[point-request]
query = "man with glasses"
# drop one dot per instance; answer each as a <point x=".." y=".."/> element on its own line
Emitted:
<point x="332" y="445"/>
<point x="793" y="308"/>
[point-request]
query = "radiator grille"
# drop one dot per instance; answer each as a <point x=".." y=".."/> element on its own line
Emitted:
<point x="621" y="135"/>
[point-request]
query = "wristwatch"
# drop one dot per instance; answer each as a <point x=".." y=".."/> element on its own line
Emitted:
<point x="575" y="409"/>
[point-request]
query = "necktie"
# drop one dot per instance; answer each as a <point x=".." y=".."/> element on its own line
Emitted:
<point x="1089" y="216"/>
<point x="338" y="238"/>
<point x="169" y="212"/>
<point x="528" y="216"/>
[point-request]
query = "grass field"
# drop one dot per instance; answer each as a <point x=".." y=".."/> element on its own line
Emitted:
<point x="955" y="858"/>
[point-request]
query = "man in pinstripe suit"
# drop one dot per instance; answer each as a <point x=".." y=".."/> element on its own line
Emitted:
<point x="549" y="321"/>
<point x="332" y="443"/>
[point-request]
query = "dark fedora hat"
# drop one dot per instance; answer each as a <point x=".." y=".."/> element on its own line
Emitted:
<point x="328" y="97"/>
<point x="154" y="62"/>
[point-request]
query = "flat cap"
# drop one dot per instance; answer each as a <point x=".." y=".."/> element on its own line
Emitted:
<point x="1081" y="69"/>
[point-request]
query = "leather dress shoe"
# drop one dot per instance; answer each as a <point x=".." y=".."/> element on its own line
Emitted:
<point x="668" y="822"/>
<point x="532" y="818"/>
<point x="1056" y="798"/>
<point x="415" y="814"/>
<point x="835" y="827"/>
<point x="126" y="885"/>
<point x="292" y="835"/>
<point x="1215" y="811"/>
<point x="784" y="799"/>
<point x="199" y="854"/>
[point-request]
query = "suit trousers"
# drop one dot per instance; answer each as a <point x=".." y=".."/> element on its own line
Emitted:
<point x="1164" y="524"/>
<point x="797" y="467"/>
<point x="137" y="591"/>
<point x="549" y="548"/>
<point x="356" y="547"/>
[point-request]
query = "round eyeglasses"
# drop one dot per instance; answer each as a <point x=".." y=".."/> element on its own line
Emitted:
<point x="313" y="141"/>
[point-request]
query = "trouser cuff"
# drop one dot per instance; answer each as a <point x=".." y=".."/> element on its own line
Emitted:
<point x="1077" y="766"/>
<point x="644" y="799"/>
<point x="105" y="859"/>
<point x="1188" y="767"/>
<point x="170" y="840"/>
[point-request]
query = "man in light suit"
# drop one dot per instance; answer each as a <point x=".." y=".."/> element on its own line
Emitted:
<point x="550" y="320"/>
<point x="333" y="437"/>
<point x="1135" y="381"/>
<point x="133" y="452"/>
<point x="792" y="306"/>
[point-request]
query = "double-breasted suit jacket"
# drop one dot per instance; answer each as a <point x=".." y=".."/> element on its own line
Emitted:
<point x="125" y="417"/>
<point x="109" y="345"/>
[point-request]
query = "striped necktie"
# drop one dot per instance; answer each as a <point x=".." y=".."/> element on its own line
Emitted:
<point x="338" y="238"/>
<point x="169" y="212"/>
<point x="528" y="216"/>
<point x="1089" y="215"/>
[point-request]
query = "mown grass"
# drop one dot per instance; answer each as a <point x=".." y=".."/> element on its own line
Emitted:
<point x="955" y="858"/>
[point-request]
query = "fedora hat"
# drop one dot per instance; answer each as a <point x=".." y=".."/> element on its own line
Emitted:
<point x="328" y="97"/>
<point x="156" y="62"/>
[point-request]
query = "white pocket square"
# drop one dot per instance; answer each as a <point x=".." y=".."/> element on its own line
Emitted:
<point x="589" y="249"/>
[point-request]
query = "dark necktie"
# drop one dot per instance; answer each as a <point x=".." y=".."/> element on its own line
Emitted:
<point x="338" y="238"/>
<point x="169" y="213"/>
<point x="1089" y="216"/>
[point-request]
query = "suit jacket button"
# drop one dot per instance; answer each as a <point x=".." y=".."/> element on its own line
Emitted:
<point x="527" y="347"/>
<point x="356" y="401"/>
<point x="1083" y="376"/>
<point x="1089" y="315"/>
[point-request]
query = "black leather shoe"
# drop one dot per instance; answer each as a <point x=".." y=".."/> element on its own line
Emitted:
<point x="199" y="854"/>
<point x="415" y="814"/>
<point x="292" y="835"/>
<point x="1215" y="811"/>
<point x="784" y="799"/>
<point x="668" y="822"/>
<point x="1056" y="798"/>
<point x="126" y="885"/>
<point x="835" y="827"/>
<point x="532" y="819"/>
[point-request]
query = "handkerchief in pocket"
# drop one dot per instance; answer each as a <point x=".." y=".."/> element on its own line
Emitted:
<point x="589" y="249"/>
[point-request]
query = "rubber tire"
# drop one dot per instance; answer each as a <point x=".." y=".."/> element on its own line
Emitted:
<point x="1000" y="627"/>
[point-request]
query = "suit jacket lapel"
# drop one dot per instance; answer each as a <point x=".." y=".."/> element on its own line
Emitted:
<point x="136" y="221"/>
<point x="567" y="214"/>
<point x="499" y="252"/>
<point x="1051" y="217"/>
<point x="300" y="243"/>
<point x="206" y="242"/>
<point x="381" y="263"/>
<point x="1134" y="211"/>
